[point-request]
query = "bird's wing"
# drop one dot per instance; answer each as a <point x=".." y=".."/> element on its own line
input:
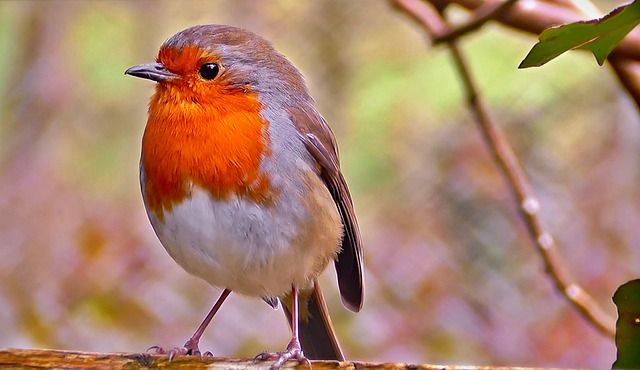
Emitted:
<point x="320" y="142"/>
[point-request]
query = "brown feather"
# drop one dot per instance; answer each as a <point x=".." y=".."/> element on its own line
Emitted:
<point x="321" y="144"/>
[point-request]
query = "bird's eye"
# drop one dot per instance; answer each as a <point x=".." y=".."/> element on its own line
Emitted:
<point x="209" y="71"/>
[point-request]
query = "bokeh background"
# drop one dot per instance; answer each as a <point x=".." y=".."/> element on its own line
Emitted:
<point x="451" y="277"/>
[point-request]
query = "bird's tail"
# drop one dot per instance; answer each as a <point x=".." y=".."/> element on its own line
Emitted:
<point x="317" y="337"/>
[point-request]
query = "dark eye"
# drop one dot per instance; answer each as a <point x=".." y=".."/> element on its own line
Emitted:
<point x="209" y="71"/>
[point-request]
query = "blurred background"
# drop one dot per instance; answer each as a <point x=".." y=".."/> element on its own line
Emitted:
<point x="451" y="277"/>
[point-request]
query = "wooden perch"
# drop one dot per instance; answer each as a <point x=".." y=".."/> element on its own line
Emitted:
<point x="55" y="359"/>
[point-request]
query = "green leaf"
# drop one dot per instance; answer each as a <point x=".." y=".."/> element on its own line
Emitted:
<point x="600" y="36"/>
<point x="627" y="299"/>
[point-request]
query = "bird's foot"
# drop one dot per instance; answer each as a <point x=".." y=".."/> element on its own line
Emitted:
<point x="190" y="349"/>
<point x="293" y="352"/>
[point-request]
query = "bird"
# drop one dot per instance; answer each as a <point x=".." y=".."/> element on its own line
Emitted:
<point x="241" y="181"/>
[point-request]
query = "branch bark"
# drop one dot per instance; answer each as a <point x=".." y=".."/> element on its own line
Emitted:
<point x="54" y="359"/>
<point x="478" y="19"/>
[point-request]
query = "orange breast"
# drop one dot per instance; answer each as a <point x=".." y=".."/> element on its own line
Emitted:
<point x="217" y="146"/>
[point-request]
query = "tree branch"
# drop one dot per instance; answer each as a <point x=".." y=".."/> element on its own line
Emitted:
<point x="478" y="19"/>
<point x="423" y="14"/>
<point x="53" y="359"/>
<point x="528" y="204"/>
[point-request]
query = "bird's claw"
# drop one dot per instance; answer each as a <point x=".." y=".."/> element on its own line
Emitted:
<point x="189" y="349"/>
<point x="293" y="352"/>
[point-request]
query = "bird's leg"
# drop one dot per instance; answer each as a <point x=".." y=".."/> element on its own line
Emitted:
<point x="191" y="346"/>
<point x="294" y="349"/>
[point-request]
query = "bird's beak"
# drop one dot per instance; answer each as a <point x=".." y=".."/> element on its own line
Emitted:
<point x="151" y="71"/>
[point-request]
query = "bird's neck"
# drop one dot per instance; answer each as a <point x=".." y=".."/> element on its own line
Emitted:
<point x="218" y="147"/>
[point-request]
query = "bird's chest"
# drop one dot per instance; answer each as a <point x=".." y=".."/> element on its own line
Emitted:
<point x="223" y="160"/>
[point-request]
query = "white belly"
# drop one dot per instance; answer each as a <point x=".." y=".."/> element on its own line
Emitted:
<point x="249" y="248"/>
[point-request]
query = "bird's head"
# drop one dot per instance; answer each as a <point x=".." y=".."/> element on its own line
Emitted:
<point x="207" y="62"/>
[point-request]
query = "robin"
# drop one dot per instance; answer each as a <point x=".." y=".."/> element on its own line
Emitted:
<point x="241" y="182"/>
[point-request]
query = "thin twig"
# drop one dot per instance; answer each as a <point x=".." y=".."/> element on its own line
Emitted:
<point x="423" y="14"/>
<point x="528" y="204"/>
<point x="628" y="73"/>
<point x="477" y="20"/>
